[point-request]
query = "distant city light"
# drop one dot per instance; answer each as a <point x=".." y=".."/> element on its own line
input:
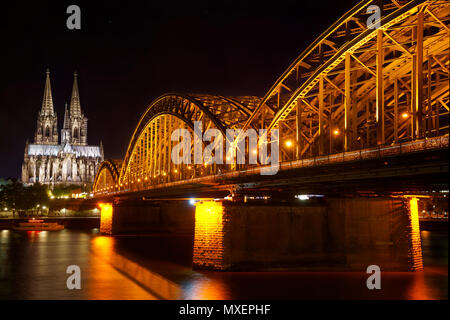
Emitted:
<point x="308" y="196"/>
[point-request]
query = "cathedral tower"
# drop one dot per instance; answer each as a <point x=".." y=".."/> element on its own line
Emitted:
<point x="65" y="131"/>
<point x="71" y="162"/>
<point x="78" y="122"/>
<point x="47" y="122"/>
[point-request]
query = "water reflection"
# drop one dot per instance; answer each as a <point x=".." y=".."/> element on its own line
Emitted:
<point x="203" y="288"/>
<point x="33" y="266"/>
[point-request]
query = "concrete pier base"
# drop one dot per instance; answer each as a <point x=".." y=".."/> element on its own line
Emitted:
<point x="139" y="216"/>
<point x="347" y="233"/>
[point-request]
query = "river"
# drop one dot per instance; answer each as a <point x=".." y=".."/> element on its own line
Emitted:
<point x="33" y="266"/>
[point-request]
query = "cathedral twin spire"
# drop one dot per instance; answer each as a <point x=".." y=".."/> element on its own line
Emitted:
<point x="75" y="108"/>
<point x="75" y="123"/>
<point x="47" y="101"/>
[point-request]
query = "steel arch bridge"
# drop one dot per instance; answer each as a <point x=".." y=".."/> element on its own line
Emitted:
<point x="353" y="88"/>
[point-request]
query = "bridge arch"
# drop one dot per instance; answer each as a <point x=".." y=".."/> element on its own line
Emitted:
<point x="354" y="87"/>
<point x="107" y="177"/>
<point x="148" y="153"/>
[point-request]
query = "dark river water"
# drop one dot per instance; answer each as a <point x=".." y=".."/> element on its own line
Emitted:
<point x="33" y="266"/>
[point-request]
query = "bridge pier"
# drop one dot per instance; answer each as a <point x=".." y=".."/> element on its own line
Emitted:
<point x="339" y="233"/>
<point x="140" y="216"/>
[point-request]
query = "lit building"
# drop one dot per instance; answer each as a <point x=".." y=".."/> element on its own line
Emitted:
<point x="72" y="161"/>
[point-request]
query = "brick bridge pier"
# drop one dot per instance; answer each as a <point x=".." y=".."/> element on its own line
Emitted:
<point x="347" y="233"/>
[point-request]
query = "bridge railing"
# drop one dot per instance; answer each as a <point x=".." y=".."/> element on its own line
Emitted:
<point x="378" y="152"/>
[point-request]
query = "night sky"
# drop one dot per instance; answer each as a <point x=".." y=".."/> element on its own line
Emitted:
<point x="128" y="53"/>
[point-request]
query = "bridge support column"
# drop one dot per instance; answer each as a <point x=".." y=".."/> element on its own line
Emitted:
<point x="139" y="216"/>
<point x="334" y="234"/>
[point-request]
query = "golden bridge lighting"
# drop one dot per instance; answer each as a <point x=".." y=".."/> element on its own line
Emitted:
<point x="106" y="217"/>
<point x="336" y="132"/>
<point x="405" y="115"/>
<point x="288" y="143"/>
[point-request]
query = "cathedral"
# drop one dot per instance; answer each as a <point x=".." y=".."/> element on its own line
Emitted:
<point x="69" y="162"/>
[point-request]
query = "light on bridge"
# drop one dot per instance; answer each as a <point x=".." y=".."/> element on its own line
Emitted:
<point x="336" y="132"/>
<point x="288" y="143"/>
<point x="405" y="115"/>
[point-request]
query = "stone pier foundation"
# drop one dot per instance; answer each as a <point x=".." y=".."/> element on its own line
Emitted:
<point x="347" y="234"/>
<point x="139" y="216"/>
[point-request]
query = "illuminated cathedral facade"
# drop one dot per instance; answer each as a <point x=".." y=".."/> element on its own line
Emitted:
<point x="66" y="161"/>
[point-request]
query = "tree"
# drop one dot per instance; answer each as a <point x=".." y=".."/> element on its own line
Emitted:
<point x="16" y="196"/>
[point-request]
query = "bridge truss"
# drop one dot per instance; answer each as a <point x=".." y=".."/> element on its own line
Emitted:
<point x="353" y="88"/>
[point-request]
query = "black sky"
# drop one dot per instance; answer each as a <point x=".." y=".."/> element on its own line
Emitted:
<point x="127" y="53"/>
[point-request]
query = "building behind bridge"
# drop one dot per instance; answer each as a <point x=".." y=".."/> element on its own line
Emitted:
<point x="68" y="162"/>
